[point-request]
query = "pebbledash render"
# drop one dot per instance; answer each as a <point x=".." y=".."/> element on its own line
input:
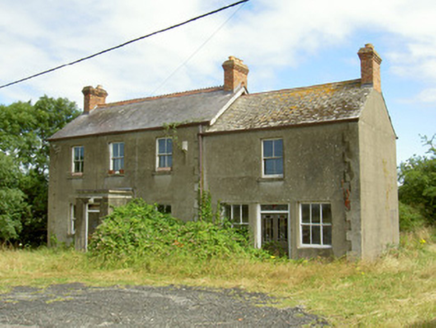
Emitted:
<point x="309" y="171"/>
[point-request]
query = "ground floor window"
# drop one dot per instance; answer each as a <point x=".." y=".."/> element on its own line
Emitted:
<point x="165" y="209"/>
<point x="237" y="215"/>
<point x="72" y="219"/>
<point x="316" y="224"/>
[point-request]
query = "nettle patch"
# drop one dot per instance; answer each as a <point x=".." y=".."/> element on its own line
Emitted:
<point x="138" y="231"/>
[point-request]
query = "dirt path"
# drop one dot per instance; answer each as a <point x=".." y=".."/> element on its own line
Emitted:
<point x="76" y="305"/>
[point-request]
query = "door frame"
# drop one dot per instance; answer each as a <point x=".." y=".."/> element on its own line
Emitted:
<point x="87" y="211"/>
<point x="272" y="211"/>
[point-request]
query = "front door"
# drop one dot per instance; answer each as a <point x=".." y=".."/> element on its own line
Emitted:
<point x="275" y="229"/>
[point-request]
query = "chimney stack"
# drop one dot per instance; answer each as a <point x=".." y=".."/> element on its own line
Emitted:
<point x="93" y="97"/>
<point x="370" y="66"/>
<point x="235" y="74"/>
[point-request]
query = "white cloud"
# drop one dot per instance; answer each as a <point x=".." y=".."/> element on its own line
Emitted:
<point x="269" y="35"/>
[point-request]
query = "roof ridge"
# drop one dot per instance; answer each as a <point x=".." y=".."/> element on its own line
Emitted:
<point x="315" y="86"/>
<point x="169" y="95"/>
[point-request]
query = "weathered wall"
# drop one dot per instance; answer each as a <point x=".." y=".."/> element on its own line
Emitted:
<point x="177" y="188"/>
<point x="379" y="195"/>
<point x="314" y="171"/>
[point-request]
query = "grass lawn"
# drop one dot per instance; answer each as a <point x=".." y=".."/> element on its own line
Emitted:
<point x="397" y="290"/>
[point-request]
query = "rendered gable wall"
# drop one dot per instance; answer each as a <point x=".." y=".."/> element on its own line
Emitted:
<point x="378" y="178"/>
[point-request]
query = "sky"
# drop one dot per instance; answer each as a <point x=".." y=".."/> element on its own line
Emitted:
<point x="285" y="44"/>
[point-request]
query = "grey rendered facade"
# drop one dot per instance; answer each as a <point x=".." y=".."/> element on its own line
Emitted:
<point x="309" y="170"/>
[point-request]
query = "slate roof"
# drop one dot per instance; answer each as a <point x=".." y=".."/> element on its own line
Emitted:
<point x="308" y="105"/>
<point x="148" y="113"/>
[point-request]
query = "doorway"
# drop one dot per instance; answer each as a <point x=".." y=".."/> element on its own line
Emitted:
<point x="275" y="229"/>
<point x="92" y="220"/>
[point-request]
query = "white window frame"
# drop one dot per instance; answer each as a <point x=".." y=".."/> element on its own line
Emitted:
<point x="231" y="216"/>
<point x="264" y="175"/>
<point x="311" y="224"/>
<point x="81" y="161"/>
<point x="112" y="158"/>
<point x="165" y="154"/>
<point x="72" y="225"/>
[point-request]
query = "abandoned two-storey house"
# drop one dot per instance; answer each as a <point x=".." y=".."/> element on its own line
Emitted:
<point x="310" y="169"/>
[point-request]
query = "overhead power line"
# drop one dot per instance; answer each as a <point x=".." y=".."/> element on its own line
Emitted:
<point x="196" y="51"/>
<point x="125" y="44"/>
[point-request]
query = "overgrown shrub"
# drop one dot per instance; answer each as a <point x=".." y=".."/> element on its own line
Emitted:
<point x="138" y="232"/>
<point x="411" y="217"/>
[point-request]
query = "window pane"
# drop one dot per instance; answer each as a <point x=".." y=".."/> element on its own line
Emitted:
<point x="237" y="213"/>
<point x="274" y="207"/>
<point x="245" y="213"/>
<point x="316" y="235"/>
<point x="278" y="166"/>
<point x="327" y="235"/>
<point x="161" y="146"/>
<point x="116" y="165"/>
<point x="115" y="152"/>
<point x="283" y="228"/>
<point x="305" y="234"/>
<point x="162" y="161"/>
<point x="278" y="148"/>
<point x="305" y="213"/>
<point x="267" y="223"/>
<point x="326" y="213"/>
<point x="316" y="216"/>
<point x="227" y="212"/>
<point x="121" y="149"/>
<point x="169" y="146"/>
<point x="269" y="166"/>
<point x="267" y="148"/>
<point x="170" y="161"/>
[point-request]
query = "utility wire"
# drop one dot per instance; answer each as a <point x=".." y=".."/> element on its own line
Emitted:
<point x="125" y="44"/>
<point x="197" y="50"/>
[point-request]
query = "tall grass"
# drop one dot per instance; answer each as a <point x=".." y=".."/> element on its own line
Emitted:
<point x="397" y="290"/>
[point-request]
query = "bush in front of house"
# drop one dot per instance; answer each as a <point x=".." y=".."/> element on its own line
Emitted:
<point x="138" y="231"/>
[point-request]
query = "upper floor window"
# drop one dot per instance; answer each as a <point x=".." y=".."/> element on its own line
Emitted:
<point x="78" y="159"/>
<point x="164" y="158"/>
<point x="116" y="157"/>
<point x="316" y="224"/>
<point x="272" y="157"/>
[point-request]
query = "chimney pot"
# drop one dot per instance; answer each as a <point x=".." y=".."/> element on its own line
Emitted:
<point x="93" y="97"/>
<point x="370" y="62"/>
<point x="235" y="73"/>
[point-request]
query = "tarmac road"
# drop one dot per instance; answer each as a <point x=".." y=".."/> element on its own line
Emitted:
<point x="77" y="305"/>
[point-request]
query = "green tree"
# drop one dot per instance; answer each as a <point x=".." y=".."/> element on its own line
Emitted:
<point x="24" y="130"/>
<point x="417" y="177"/>
<point x="12" y="205"/>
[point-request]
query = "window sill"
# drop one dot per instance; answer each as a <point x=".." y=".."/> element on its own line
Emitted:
<point x="112" y="173"/>
<point x="270" y="179"/>
<point x="76" y="175"/>
<point x="163" y="171"/>
<point x="315" y="246"/>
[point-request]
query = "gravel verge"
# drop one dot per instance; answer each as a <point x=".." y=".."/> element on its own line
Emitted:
<point x="77" y="305"/>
